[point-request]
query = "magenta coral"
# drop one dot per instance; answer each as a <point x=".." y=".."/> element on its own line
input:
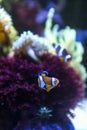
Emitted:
<point x="18" y="83"/>
<point x="19" y="87"/>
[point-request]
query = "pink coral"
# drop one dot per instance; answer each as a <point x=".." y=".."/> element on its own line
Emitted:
<point x="19" y="87"/>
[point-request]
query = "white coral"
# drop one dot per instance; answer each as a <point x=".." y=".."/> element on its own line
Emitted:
<point x="30" y="44"/>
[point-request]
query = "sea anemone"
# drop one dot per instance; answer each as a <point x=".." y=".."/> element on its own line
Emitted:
<point x="19" y="88"/>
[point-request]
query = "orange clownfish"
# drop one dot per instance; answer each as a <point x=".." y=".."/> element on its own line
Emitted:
<point x="47" y="83"/>
<point x="63" y="54"/>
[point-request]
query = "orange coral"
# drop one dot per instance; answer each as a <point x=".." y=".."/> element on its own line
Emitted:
<point x="4" y="39"/>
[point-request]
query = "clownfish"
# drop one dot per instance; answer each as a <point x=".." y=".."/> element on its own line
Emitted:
<point x="63" y="54"/>
<point x="47" y="83"/>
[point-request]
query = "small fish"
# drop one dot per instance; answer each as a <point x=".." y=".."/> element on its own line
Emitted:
<point x="47" y="83"/>
<point x="63" y="54"/>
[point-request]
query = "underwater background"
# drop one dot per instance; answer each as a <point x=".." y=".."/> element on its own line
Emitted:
<point x="36" y="37"/>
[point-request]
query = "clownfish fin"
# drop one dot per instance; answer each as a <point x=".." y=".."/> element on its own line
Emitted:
<point x="48" y="87"/>
<point x="43" y="73"/>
